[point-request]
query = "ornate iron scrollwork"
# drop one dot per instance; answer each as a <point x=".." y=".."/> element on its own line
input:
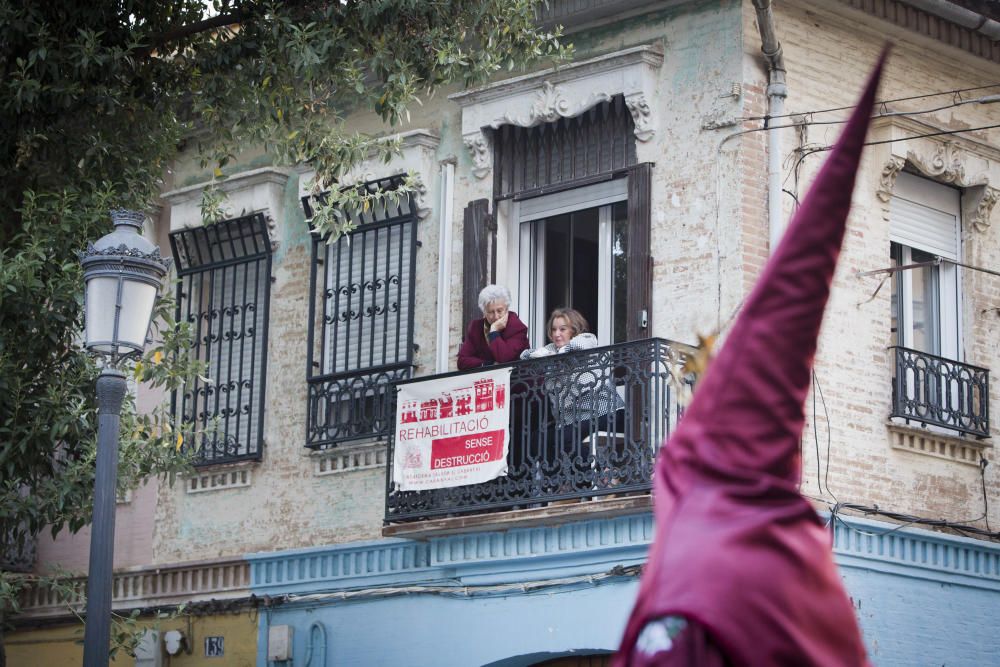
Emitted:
<point x="936" y="391"/>
<point x="582" y="424"/>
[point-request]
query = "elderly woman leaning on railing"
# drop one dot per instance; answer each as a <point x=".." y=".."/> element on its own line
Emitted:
<point x="497" y="337"/>
<point x="583" y="402"/>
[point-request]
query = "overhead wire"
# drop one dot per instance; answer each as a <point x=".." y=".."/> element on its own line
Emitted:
<point x="462" y="590"/>
<point x="882" y="103"/>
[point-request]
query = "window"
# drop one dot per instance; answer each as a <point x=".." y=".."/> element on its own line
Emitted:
<point x="573" y="253"/>
<point x="361" y="321"/>
<point x="924" y="226"/>
<point x="932" y="386"/>
<point x="224" y="291"/>
<point x="577" y="209"/>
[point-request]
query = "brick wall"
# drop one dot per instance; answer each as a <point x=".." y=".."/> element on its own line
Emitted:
<point x="829" y="50"/>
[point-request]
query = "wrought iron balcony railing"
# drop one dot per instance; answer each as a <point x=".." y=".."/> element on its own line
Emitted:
<point x="942" y="392"/>
<point x="582" y="424"/>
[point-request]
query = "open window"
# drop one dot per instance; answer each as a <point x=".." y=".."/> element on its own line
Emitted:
<point x="924" y="230"/>
<point x="572" y="251"/>
<point x="932" y="386"/>
<point x="574" y="208"/>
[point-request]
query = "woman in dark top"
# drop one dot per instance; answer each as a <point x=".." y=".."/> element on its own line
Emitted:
<point x="497" y="337"/>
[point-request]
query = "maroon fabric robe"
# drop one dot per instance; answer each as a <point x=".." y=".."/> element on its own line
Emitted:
<point x="739" y="553"/>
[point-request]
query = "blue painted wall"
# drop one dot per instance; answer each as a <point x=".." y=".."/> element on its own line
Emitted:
<point x="922" y="598"/>
<point x="519" y="597"/>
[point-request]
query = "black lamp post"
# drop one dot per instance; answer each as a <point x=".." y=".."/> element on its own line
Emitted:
<point x="122" y="273"/>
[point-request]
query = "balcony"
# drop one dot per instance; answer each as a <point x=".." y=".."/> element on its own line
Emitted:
<point x="583" y="425"/>
<point x="935" y="391"/>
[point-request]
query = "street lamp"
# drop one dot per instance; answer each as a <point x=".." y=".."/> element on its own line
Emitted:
<point x="122" y="273"/>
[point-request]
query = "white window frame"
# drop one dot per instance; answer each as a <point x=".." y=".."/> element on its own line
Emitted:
<point x="923" y="196"/>
<point x="524" y="275"/>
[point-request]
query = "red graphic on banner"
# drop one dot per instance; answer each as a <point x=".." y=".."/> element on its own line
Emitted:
<point x="465" y="450"/>
<point x="501" y="394"/>
<point x="484" y="395"/>
<point x="446" y="406"/>
<point x="463" y="404"/>
<point x="409" y="413"/>
<point x="429" y="410"/>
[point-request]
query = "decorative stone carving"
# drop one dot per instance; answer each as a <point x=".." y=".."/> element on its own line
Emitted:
<point x="550" y="105"/>
<point x="945" y="165"/>
<point x="565" y="92"/>
<point x="642" y="116"/>
<point x="887" y="181"/>
<point x="479" y="148"/>
<point x="420" y="197"/>
<point x="980" y="202"/>
<point x="272" y="230"/>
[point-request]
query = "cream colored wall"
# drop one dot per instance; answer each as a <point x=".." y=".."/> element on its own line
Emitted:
<point x="709" y="243"/>
<point x="287" y="504"/>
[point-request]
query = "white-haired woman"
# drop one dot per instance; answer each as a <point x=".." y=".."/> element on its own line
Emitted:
<point x="497" y="337"/>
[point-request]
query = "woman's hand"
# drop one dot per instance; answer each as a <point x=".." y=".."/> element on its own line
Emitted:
<point x="500" y="324"/>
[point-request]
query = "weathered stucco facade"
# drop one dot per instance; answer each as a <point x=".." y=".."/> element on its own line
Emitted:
<point x="709" y="241"/>
<point x="696" y="88"/>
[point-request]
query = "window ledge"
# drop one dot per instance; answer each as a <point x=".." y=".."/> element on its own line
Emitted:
<point x="357" y="457"/>
<point x="939" y="445"/>
<point x="603" y="507"/>
<point x="220" y="477"/>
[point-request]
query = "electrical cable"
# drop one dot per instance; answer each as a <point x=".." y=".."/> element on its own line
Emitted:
<point x="829" y="437"/>
<point x="311" y="643"/>
<point x="462" y="590"/>
<point x="957" y="91"/>
<point x="821" y="149"/>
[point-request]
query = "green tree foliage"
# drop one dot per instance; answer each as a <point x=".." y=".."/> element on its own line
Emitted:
<point x="96" y="101"/>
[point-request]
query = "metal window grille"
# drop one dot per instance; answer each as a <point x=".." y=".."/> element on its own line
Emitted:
<point x="224" y="293"/>
<point x="361" y="320"/>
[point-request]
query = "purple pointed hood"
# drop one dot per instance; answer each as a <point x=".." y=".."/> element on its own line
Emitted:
<point x="737" y="548"/>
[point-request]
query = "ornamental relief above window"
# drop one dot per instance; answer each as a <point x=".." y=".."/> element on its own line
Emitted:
<point x="957" y="161"/>
<point x="553" y="94"/>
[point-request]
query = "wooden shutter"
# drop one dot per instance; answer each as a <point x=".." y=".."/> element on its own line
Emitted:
<point x="640" y="261"/>
<point x="478" y="256"/>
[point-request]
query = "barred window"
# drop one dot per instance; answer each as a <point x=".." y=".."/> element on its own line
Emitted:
<point x="361" y="320"/>
<point x="224" y="293"/>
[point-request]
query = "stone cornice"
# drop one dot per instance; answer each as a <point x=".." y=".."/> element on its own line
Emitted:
<point x="899" y="127"/>
<point x="650" y="55"/>
<point x="149" y="585"/>
<point x="243" y="179"/>
<point x="564" y="92"/>
<point x="930" y="151"/>
<point x="417" y="150"/>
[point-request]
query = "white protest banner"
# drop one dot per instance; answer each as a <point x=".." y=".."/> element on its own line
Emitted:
<point x="452" y="431"/>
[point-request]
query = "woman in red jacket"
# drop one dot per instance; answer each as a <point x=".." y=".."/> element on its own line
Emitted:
<point x="497" y="337"/>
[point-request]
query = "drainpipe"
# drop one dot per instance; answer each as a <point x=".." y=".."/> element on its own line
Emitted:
<point x="777" y="91"/>
<point x="967" y="18"/>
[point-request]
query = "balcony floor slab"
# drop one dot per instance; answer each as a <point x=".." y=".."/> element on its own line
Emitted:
<point x="549" y="514"/>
